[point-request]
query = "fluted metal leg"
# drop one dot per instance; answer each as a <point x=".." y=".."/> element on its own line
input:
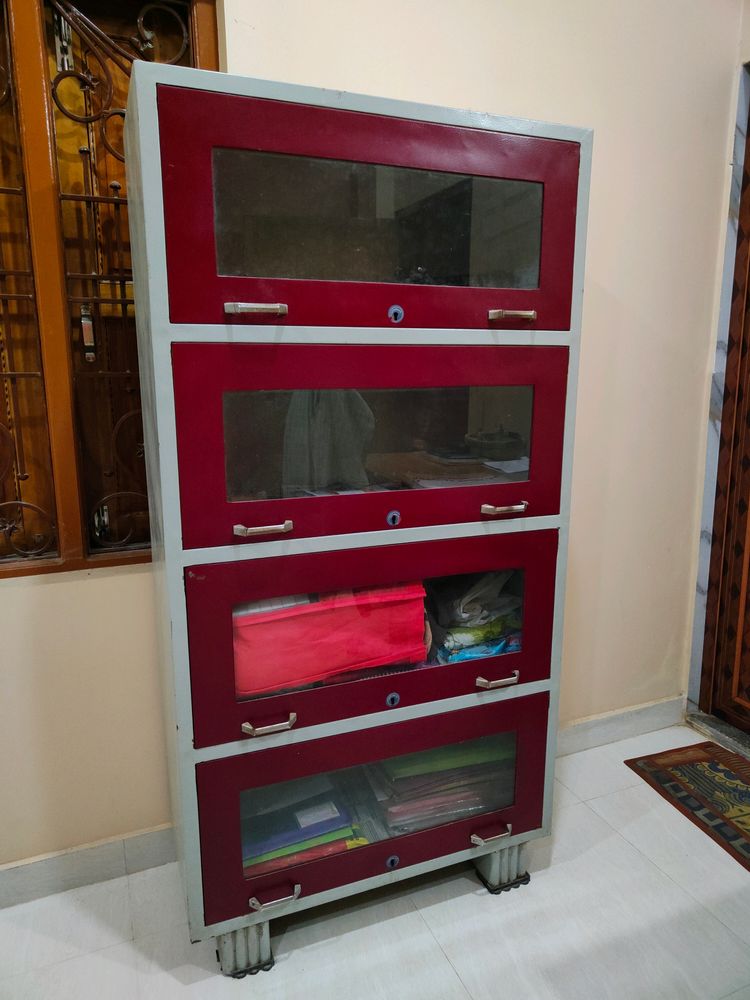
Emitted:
<point x="504" y="869"/>
<point x="246" y="951"/>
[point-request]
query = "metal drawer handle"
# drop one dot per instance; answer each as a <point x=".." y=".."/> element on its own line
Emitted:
<point x="255" y="904"/>
<point x="514" y="508"/>
<point x="256" y="308"/>
<point x="505" y="682"/>
<point x="529" y="314"/>
<point x="478" y="841"/>
<point x="278" y="727"/>
<point x="264" y="529"/>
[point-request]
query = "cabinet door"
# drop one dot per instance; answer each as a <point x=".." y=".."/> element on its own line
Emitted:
<point x="295" y="441"/>
<point x="351" y="219"/>
<point x="301" y="819"/>
<point x="317" y="637"/>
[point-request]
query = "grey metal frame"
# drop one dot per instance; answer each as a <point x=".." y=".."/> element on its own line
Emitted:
<point x="156" y="334"/>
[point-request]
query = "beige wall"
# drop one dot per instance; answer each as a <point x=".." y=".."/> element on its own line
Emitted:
<point x="81" y="739"/>
<point x="745" y="35"/>
<point x="81" y="743"/>
<point x="657" y="82"/>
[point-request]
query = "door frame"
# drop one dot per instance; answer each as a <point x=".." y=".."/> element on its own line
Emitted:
<point x="719" y="560"/>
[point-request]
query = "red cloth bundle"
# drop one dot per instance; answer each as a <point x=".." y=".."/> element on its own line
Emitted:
<point x="339" y="634"/>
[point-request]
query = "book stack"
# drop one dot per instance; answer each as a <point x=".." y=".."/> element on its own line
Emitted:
<point x="311" y="818"/>
<point x="294" y="822"/>
<point x="444" y="785"/>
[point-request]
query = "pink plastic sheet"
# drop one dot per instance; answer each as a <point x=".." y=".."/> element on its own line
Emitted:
<point x="340" y="634"/>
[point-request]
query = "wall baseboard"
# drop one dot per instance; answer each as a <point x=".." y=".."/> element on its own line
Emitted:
<point x="33" y="878"/>
<point x="620" y="725"/>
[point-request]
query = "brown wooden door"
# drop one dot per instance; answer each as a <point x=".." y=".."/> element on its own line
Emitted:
<point x="725" y="680"/>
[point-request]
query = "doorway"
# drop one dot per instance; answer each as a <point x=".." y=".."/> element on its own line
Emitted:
<point x="724" y="672"/>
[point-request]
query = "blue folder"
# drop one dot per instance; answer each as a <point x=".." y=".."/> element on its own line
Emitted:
<point x="293" y="824"/>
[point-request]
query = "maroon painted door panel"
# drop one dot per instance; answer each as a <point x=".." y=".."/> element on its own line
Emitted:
<point x="326" y="440"/>
<point x="327" y="660"/>
<point x="341" y="215"/>
<point x="389" y="797"/>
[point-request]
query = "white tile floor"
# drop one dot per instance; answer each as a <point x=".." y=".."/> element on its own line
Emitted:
<point x="627" y="900"/>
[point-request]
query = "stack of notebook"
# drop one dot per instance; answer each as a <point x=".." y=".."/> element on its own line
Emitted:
<point x="427" y="789"/>
<point x="311" y="818"/>
<point x="294" y="822"/>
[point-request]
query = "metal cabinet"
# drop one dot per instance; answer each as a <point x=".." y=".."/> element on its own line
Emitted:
<point x="358" y="332"/>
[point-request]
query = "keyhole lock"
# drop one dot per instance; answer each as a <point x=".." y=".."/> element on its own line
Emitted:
<point x="393" y="699"/>
<point x="393" y="861"/>
<point x="395" y="314"/>
<point x="393" y="518"/>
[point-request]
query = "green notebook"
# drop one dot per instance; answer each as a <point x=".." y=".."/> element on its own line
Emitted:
<point x="345" y="833"/>
<point x="447" y="759"/>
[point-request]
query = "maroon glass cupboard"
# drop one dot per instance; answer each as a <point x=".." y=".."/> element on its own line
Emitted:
<point x="513" y="771"/>
<point x="315" y="164"/>
<point x="229" y="693"/>
<point x="358" y="330"/>
<point x="442" y="435"/>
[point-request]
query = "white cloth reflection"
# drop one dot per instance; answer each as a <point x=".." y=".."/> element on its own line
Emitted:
<point x="326" y="434"/>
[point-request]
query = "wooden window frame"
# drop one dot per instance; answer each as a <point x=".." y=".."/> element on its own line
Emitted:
<point x="36" y="122"/>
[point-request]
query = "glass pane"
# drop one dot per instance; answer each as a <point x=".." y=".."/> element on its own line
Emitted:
<point x="27" y="498"/>
<point x="281" y="443"/>
<point x="308" y="640"/>
<point x="309" y="818"/>
<point x="282" y="216"/>
<point x="91" y="51"/>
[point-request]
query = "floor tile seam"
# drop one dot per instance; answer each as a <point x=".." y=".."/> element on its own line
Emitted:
<point x="625" y="788"/>
<point x="71" y="958"/>
<point x="685" y="888"/>
<point x="659" y="802"/>
<point x="163" y="929"/>
<point x="464" y="987"/>
<point x="556" y="777"/>
<point x="140" y="983"/>
<point x="606" y="748"/>
<point x="15" y="977"/>
<point x="741" y="989"/>
<point x="716" y="916"/>
<point x="674" y="882"/>
<point x="131" y="901"/>
<point x="130" y="905"/>
<point x="12" y="975"/>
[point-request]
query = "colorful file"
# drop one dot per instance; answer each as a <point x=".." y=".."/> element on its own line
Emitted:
<point x="294" y="825"/>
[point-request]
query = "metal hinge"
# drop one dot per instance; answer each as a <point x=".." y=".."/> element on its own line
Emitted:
<point x="87" y="333"/>
<point x="63" y="43"/>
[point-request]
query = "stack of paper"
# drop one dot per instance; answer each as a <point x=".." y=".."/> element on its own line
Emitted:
<point x="439" y="786"/>
<point x="293" y="822"/>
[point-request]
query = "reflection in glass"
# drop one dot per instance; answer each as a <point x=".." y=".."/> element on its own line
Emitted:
<point x="310" y="818"/>
<point x="281" y="443"/>
<point x="291" y="643"/>
<point x="283" y="216"/>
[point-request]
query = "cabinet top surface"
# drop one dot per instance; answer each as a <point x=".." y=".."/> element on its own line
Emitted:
<point x="147" y="76"/>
